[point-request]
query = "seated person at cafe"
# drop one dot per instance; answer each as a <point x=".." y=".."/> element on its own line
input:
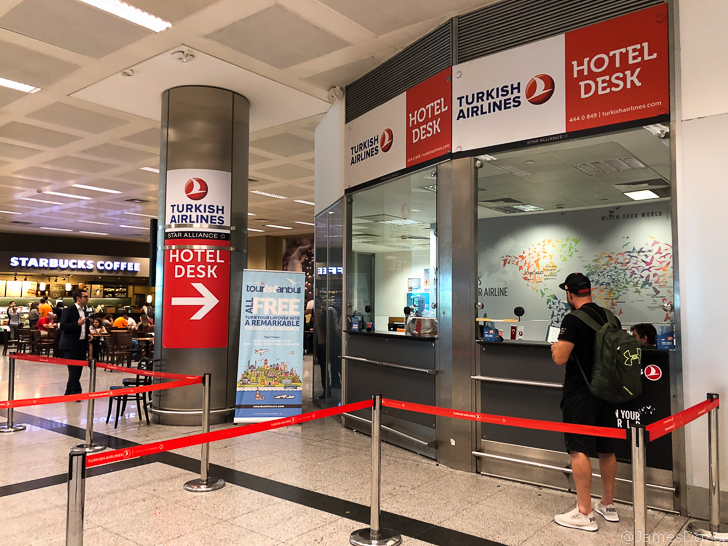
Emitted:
<point x="131" y="323"/>
<point x="44" y="308"/>
<point x="122" y="321"/>
<point x="108" y="321"/>
<point x="46" y="323"/>
<point x="97" y="330"/>
<point x="145" y="324"/>
<point x="645" y="334"/>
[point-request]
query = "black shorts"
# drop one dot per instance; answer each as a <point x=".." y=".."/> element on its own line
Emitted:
<point x="582" y="408"/>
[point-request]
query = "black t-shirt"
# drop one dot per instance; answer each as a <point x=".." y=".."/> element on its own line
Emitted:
<point x="582" y="336"/>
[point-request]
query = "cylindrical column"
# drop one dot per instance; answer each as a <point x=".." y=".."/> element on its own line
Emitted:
<point x="89" y="445"/>
<point x="375" y="535"/>
<point x="76" y="497"/>
<point x="10" y="426"/>
<point x="205" y="482"/>
<point x="201" y="246"/>
<point x="638" y="484"/>
<point x="712" y="529"/>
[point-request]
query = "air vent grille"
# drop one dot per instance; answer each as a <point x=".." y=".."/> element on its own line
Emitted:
<point x="654" y="183"/>
<point x="21" y="223"/>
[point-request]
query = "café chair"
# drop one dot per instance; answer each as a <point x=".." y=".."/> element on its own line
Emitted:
<point x="142" y="399"/>
<point x="25" y="340"/>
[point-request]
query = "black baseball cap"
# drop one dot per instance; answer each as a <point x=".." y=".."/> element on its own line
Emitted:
<point x="577" y="283"/>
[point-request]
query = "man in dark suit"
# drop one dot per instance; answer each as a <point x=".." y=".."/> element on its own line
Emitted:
<point x="75" y="337"/>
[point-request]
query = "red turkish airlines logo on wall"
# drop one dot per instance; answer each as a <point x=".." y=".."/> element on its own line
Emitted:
<point x="196" y="189"/>
<point x="540" y="89"/>
<point x="385" y="142"/>
<point x="653" y="373"/>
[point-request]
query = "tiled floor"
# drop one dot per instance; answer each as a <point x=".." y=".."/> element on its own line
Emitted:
<point x="302" y="485"/>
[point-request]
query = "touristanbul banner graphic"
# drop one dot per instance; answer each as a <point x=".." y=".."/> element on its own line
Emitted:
<point x="604" y="74"/>
<point x="270" y="362"/>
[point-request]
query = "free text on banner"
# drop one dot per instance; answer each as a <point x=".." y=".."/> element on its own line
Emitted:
<point x="270" y="361"/>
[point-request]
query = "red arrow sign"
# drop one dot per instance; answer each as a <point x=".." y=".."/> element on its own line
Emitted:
<point x="653" y="373"/>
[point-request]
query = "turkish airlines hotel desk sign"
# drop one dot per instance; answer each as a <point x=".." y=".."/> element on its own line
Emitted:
<point x="604" y="74"/>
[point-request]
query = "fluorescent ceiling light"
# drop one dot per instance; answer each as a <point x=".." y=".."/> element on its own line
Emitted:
<point x="306" y="223"/>
<point x="304" y="202"/>
<point x="133" y="227"/>
<point x="486" y="157"/>
<point x="8" y="212"/>
<point x="140" y="214"/>
<point x="401" y="222"/>
<point x="93" y="233"/>
<point x="56" y="228"/>
<point x="251" y="214"/>
<point x="130" y="13"/>
<point x="25" y="88"/>
<point x="149" y="169"/>
<point x="266" y="194"/>
<point x="92" y="222"/>
<point x="40" y="201"/>
<point x="527" y="208"/>
<point x="253" y="229"/>
<point x="93" y="188"/>
<point x="279" y="227"/>
<point x="61" y="194"/>
<point x="641" y="195"/>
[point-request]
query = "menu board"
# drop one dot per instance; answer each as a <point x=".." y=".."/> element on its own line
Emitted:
<point x="14" y="289"/>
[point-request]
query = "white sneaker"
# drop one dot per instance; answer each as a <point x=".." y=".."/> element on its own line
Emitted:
<point x="576" y="520"/>
<point x="607" y="511"/>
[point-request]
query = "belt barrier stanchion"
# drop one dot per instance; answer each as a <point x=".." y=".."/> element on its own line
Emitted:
<point x="638" y="484"/>
<point x="374" y="536"/>
<point x="76" y="496"/>
<point x="714" y="530"/>
<point x="89" y="446"/>
<point x="205" y="483"/>
<point x="10" y="426"/>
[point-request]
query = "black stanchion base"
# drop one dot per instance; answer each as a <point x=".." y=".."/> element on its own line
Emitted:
<point x="701" y="529"/>
<point x="200" y="486"/>
<point x="385" y="537"/>
<point x="90" y="448"/>
<point x="15" y="428"/>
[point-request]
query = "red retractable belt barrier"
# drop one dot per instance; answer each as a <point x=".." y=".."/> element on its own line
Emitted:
<point x="603" y="432"/>
<point x="48" y="360"/>
<point x="147" y="373"/>
<point x="196" y="439"/>
<point x="99" y="394"/>
<point x="665" y="426"/>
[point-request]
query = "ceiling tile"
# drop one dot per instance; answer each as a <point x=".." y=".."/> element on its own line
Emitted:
<point x="18" y="183"/>
<point x="46" y="174"/>
<point x="285" y="145"/>
<point x="35" y="135"/>
<point x="278" y="37"/>
<point x="344" y="75"/>
<point x="78" y="164"/>
<point x="76" y="118"/>
<point x="119" y="153"/>
<point x="141" y="176"/>
<point x="8" y="96"/>
<point x="287" y="172"/>
<point x="253" y="159"/>
<point x="57" y="22"/>
<point x="26" y="66"/>
<point x="112" y="185"/>
<point x="16" y="152"/>
<point x="150" y="138"/>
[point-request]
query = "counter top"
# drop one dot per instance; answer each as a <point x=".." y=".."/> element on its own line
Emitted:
<point x="392" y="334"/>
<point x="515" y="342"/>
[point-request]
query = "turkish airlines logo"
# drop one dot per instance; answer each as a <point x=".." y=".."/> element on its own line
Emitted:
<point x="196" y="189"/>
<point x="385" y="142"/>
<point x="540" y="89"/>
<point x="653" y="373"/>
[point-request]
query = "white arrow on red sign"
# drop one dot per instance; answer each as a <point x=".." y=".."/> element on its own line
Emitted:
<point x="208" y="301"/>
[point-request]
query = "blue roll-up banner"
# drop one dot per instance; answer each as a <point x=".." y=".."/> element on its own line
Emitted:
<point x="270" y="362"/>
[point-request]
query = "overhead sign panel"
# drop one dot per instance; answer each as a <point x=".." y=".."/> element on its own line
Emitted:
<point x="604" y="74"/>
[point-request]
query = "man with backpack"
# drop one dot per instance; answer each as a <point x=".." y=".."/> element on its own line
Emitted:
<point x="581" y="342"/>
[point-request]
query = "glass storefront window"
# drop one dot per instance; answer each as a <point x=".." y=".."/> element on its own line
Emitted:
<point x="393" y="257"/>
<point x="600" y="206"/>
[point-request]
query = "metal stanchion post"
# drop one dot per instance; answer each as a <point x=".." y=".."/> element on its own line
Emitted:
<point x="10" y="426"/>
<point x="76" y="497"/>
<point x="638" y="484"/>
<point x="713" y="530"/>
<point x="373" y="535"/>
<point x="205" y="483"/>
<point x="89" y="446"/>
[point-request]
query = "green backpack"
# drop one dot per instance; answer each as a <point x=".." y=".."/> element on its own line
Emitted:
<point x="617" y="371"/>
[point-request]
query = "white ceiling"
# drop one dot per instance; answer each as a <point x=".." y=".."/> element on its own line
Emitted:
<point x="89" y="125"/>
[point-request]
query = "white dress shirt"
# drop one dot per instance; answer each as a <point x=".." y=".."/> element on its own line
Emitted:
<point x="82" y="314"/>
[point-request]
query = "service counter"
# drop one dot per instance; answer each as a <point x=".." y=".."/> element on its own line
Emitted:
<point x="519" y="379"/>
<point x="396" y="366"/>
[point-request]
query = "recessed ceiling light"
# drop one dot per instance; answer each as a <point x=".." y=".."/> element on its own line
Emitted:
<point x="133" y="227"/>
<point x="253" y="229"/>
<point x="40" y="200"/>
<point x="149" y="169"/>
<point x="55" y="228"/>
<point x="304" y="202"/>
<point x="8" y="212"/>
<point x="266" y="194"/>
<point x="641" y="195"/>
<point x="130" y="13"/>
<point x="25" y="88"/>
<point x="61" y="194"/>
<point x="93" y="188"/>
<point x="140" y="214"/>
<point x="306" y="223"/>
<point x="92" y="222"/>
<point x="93" y="233"/>
<point x="279" y="227"/>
